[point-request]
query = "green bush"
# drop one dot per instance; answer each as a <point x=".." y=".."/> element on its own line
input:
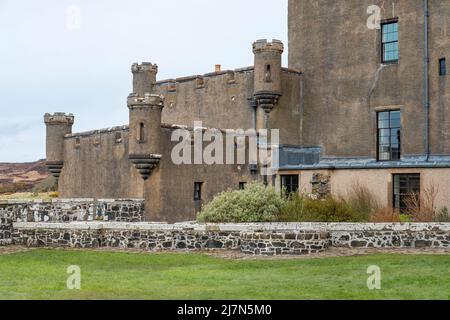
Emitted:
<point x="257" y="203"/>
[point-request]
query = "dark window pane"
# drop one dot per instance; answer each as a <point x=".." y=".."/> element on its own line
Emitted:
<point x="389" y="135"/>
<point x="405" y="187"/>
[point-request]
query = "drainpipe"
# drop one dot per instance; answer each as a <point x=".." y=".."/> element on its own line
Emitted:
<point x="426" y="80"/>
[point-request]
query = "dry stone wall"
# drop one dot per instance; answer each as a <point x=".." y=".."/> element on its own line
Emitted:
<point x="255" y="239"/>
<point x="66" y="211"/>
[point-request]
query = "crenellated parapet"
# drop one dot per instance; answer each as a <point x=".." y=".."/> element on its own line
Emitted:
<point x="58" y="125"/>
<point x="59" y="118"/>
<point x="144" y="77"/>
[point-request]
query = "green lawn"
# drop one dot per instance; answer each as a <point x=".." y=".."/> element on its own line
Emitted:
<point x="41" y="274"/>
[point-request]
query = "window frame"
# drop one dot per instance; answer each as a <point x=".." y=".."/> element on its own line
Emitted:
<point x="198" y="191"/>
<point x="382" y="51"/>
<point x="442" y="67"/>
<point x="409" y="177"/>
<point x="390" y="128"/>
<point x="284" y="178"/>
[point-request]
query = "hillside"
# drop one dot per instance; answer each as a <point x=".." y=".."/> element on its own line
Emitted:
<point x="19" y="177"/>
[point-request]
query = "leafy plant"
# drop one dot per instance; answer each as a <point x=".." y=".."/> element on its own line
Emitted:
<point x="257" y="203"/>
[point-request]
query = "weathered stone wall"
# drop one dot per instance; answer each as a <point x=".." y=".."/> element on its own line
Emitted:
<point x="345" y="83"/>
<point x="284" y="243"/>
<point x="96" y="165"/>
<point x="256" y="239"/>
<point x="63" y="211"/>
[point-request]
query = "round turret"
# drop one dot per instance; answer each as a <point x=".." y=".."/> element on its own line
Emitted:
<point x="268" y="56"/>
<point x="144" y="77"/>
<point x="145" y="146"/>
<point x="58" y="125"/>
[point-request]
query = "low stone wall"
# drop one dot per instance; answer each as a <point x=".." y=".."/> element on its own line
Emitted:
<point x="284" y="243"/>
<point x="256" y="239"/>
<point x="57" y="211"/>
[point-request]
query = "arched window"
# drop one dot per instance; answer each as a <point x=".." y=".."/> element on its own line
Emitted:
<point x="141" y="132"/>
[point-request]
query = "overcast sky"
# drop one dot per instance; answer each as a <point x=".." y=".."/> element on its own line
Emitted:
<point x="50" y="62"/>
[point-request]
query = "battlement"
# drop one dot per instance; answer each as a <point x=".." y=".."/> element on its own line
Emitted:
<point x="59" y="118"/>
<point x="265" y="46"/>
<point x="143" y="67"/>
<point x="152" y="100"/>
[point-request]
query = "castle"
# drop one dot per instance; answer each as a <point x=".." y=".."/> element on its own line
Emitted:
<point x="361" y="102"/>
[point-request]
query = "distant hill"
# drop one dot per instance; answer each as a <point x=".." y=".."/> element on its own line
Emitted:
<point x="22" y="177"/>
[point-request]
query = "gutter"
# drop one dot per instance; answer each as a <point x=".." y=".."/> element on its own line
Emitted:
<point x="426" y="80"/>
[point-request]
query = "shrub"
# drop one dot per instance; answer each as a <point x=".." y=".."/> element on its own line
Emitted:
<point x="358" y="206"/>
<point x="301" y="208"/>
<point x="442" y="215"/>
<point x="362" y="202"/>
<point x="257" y="203"/>
<point x="386" y="214"/>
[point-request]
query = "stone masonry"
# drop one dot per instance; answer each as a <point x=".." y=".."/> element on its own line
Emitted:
<point x="67" y="211"/>
<point x="255" y="239"/>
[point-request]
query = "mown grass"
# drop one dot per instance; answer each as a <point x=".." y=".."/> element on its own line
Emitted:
<point x="41" y="274"/>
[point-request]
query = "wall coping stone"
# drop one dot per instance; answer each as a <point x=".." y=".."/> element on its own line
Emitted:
<point x="244" y="227"/>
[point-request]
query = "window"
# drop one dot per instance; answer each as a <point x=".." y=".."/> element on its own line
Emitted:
<point x="389" y="134"/>
<point x="268" y="73"/>
<point x="242" y="185"/>
<point x="389" y="42"/>
<point x="406" y="191"/>
<point x="290" y="183"/>
<point x="118" y="137"/>
<point x="198" y="191"/>
<point x="442" y="67"/>
<point x="141" y="133"/>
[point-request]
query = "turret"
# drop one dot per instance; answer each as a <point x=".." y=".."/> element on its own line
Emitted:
<point x="145" y="146"/>
<point x="58" y="125"/>
<point x="268" y="58"/>
<point x="144" y="77"/>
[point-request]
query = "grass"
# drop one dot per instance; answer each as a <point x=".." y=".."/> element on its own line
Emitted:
<point x="46" y="196"/>
<point x="41" y="274"/>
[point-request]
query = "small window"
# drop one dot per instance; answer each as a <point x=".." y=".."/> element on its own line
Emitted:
<point x="389" y="134"/>
<point x="77" y="142"/>
<point x="198" y="191"/>
<point x="242" y="185"/>
<point x="442" y="67"/>
<point x="389" y="42"/>
<point x="406" y="192"/>
<point x="118" y="137"/>
<point x="141" y="133"/>
<point x="268" y="73"/>
<point x="290" y="183"/>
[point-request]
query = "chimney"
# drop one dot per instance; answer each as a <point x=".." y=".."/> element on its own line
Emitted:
<point x="218" y="68"/>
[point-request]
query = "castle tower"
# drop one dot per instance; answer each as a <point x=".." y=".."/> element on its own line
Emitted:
<point x="144" y="77"/>
<point x="145" y="120"/>
<point x="268" y="57"/>
<point x="58" y="125"/>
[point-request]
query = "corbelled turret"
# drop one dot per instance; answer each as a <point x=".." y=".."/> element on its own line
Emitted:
<point x="58" y="125"/>
<point x="145" y="146"/>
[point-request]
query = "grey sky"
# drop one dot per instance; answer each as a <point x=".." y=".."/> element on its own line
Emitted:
<point x="46" y="66"/>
